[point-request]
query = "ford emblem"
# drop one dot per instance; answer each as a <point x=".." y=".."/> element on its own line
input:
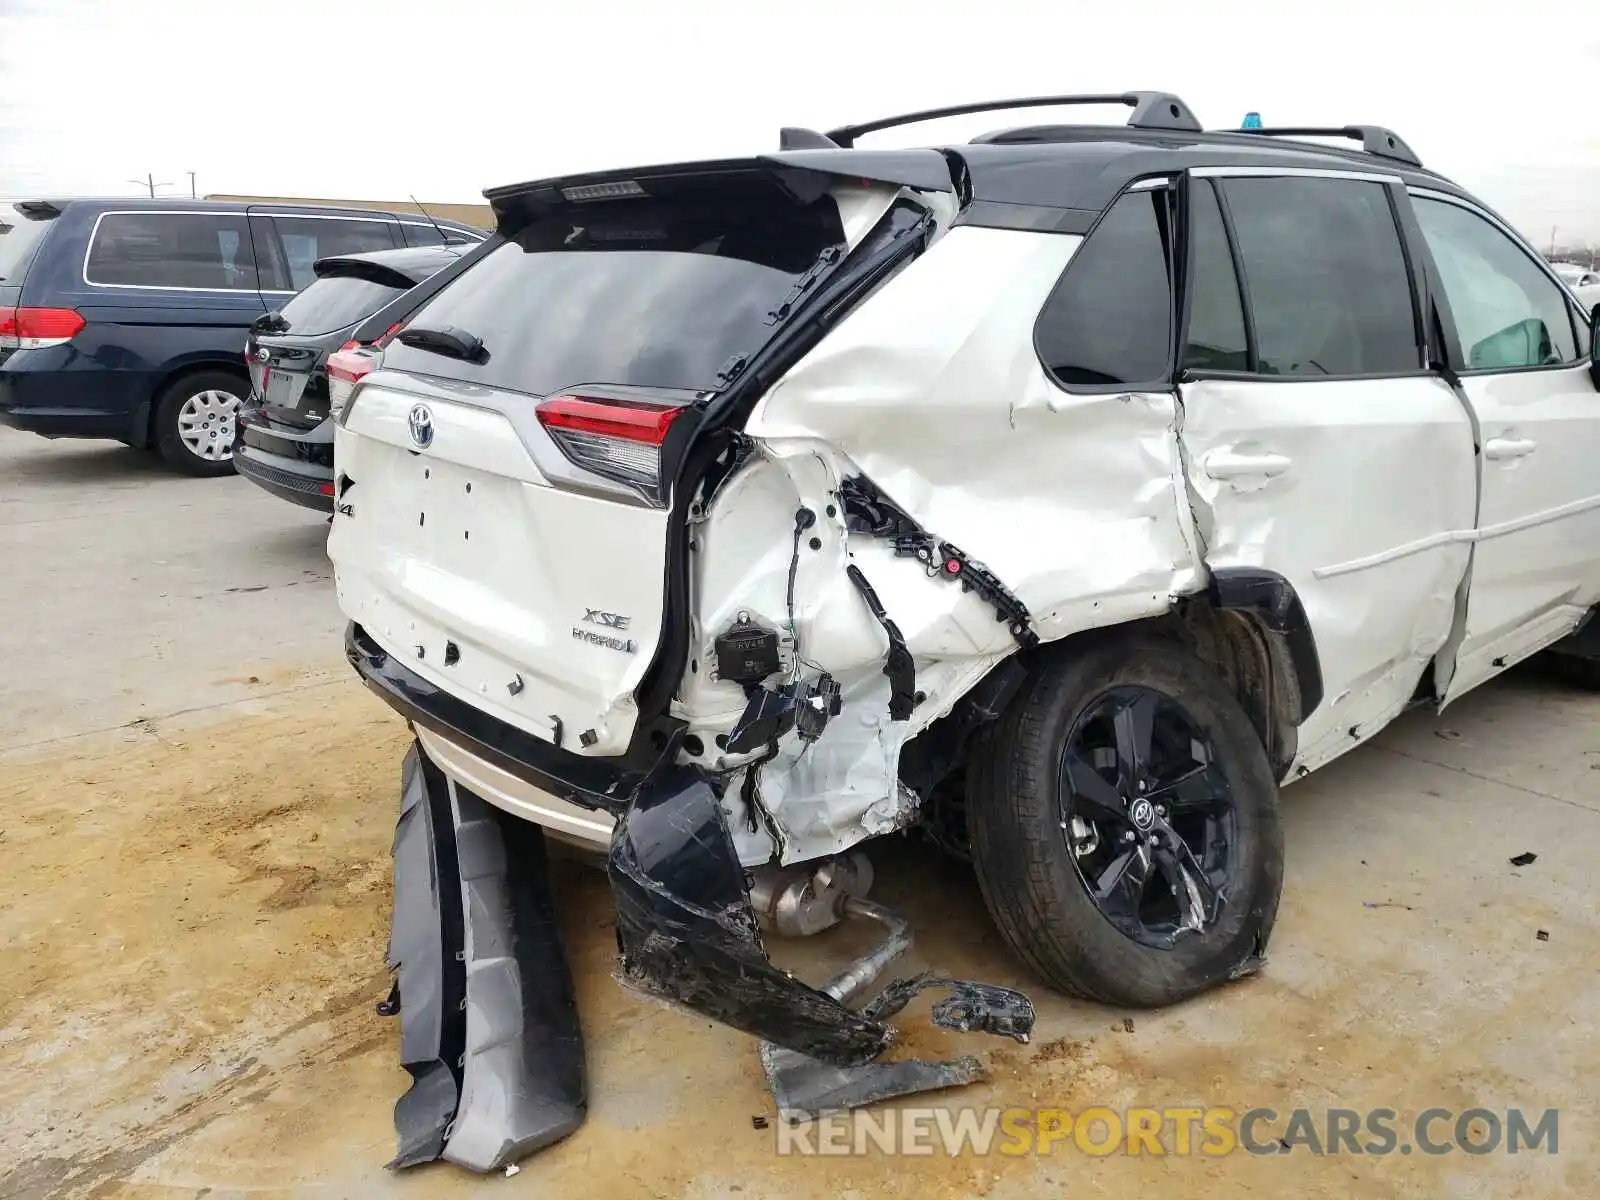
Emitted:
<point x="421" y="422"/>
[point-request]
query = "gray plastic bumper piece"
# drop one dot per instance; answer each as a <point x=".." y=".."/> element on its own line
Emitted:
<point x="523" y="1084"/>
<point x="423" y="940"/>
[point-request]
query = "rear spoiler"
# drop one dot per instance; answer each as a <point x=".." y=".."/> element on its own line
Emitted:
<point x="804" y="174"/>
<point x="360" y="268"/>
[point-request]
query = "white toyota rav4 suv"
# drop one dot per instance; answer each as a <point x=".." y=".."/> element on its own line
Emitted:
<point x="1062" y="493"/>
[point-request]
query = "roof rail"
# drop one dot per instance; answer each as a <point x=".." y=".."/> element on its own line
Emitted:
<point x="1374" y="139"/>
<point x="1151" y="110"/>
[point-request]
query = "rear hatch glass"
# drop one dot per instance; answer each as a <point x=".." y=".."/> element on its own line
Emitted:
<point x="288" y="366"/>
<point x="469" y="550"/>
<point x="336" y="302"/>
<point x="628" y="292"/>
<point x="21" y="233"/>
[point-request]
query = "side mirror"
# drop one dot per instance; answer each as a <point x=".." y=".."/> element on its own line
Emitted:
<point x="1594" y="345"/>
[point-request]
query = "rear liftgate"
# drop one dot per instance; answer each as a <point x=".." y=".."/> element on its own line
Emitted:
<point x="489" y="1027"/>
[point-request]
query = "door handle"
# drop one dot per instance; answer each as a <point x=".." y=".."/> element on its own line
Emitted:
<point x="1501" y="449"/>
<point x="1228" y="464"/>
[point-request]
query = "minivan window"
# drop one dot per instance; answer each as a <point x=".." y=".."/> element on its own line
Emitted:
<point x="20" y="235"/>
<point x="1108" y="322"/>
<point x="335" y="302"/>
<point x="306" y="239"/>
<point x="1325" y="275"/>
<point x="649" y="293"/>
<point x="1217" y="340"/>
<point x="427" y="235"/>
<point x="201" y="251"/>
<point x="1508" y="313"/>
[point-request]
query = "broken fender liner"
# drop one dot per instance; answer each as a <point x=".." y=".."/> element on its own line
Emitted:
<point x="424" y="937"/>
<point x="687" y="934"/>
<point x="489" y="1027"/>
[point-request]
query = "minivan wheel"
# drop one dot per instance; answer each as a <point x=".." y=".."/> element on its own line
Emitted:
<point x="195" y="422"/>
<point x="1124" y="825"/>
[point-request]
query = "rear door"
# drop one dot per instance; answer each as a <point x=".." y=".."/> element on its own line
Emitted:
<point x="1316" y="444"/>
<point x="1520" y="351"/>
<point x="509" y="507"/>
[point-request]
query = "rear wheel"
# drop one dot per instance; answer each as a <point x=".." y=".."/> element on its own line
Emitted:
<point x="195" y="422"/>
<point x="1124" y="825"/>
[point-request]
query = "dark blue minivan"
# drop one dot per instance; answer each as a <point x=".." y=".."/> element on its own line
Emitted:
<point x="126" y="319"/>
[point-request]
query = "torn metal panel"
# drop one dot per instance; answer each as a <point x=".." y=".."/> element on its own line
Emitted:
<point x="933" y="390"/>
<point x="1377" y="573"/>
<point x="424" y="937"/>
<point x="754" y="567"/>
<point x="523" y="1083"/>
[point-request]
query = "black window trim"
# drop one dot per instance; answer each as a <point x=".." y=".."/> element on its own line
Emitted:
<point x="1186" y="189"/>
<point x="1394" y="189"/>
<point x="1160" y="181"/>
<point x="1455" y="352"/>
<point x="94" y="234"/>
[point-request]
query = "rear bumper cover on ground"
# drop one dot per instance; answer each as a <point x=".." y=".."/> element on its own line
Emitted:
<point x="490" y="1031"/>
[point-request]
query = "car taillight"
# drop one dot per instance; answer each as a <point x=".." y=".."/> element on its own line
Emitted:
<point x="387" y="336"/>
<point x="616" y="439"/>
<point x="346" y="367"/>
<point x="34" y="328"/>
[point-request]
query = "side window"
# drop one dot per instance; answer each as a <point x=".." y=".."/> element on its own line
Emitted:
<point x="208" y="251"/>
<point x="1217" y="340"/>
<point x="306" y="239"/>
<point x="1508" y="313"/>
<point x="1108" y="321"/>
<point x="1325" y="276"/>
<point x="421" y="235"/>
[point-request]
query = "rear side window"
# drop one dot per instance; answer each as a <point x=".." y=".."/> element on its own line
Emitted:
<point x="647" y="292"/>
<point x="1508" y="313"/>
<point x="209" y="251"/>
<point x="20" y="235"/>
<point x="306" y="239"/>
<point x="1108" y="322"/>
<point x="1325" y="276"/>
<point x="334" y="302"/>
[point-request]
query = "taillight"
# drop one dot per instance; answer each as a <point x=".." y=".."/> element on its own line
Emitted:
<point x="616" y="439"/>
<point x="387" y="336"/>
<point x="346" y="367"/>
<point x="34" y="328"/>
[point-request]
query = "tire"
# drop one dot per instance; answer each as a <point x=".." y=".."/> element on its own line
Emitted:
<point x="1028" y="866"/>
<point x="202" y="404"/>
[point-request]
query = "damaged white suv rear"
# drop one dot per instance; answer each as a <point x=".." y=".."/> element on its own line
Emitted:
<point x="1062" y="493"/>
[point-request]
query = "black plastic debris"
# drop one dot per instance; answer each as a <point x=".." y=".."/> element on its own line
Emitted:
<point x="1524" y="859"/>
<point x="1543" y="935"/>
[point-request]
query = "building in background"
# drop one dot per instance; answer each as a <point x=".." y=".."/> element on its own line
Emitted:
<point x="478" y="215"/>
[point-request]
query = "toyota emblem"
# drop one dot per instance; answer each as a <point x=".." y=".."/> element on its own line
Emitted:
<point x="421" y="422"/>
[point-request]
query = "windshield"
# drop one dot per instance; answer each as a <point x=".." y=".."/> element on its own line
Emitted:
<point x="646" y="293"/>
<point x="335" y="302"/>
<point x="20" y="236"/>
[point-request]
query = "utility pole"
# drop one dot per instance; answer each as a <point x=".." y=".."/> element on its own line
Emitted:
<point x="192" y="195"/>
<point x="149" y="182"/>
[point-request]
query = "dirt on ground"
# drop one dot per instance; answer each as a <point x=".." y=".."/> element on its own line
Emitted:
<point x="195" y="917"/>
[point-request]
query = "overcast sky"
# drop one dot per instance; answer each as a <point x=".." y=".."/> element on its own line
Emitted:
<point x="376" y="99"/>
